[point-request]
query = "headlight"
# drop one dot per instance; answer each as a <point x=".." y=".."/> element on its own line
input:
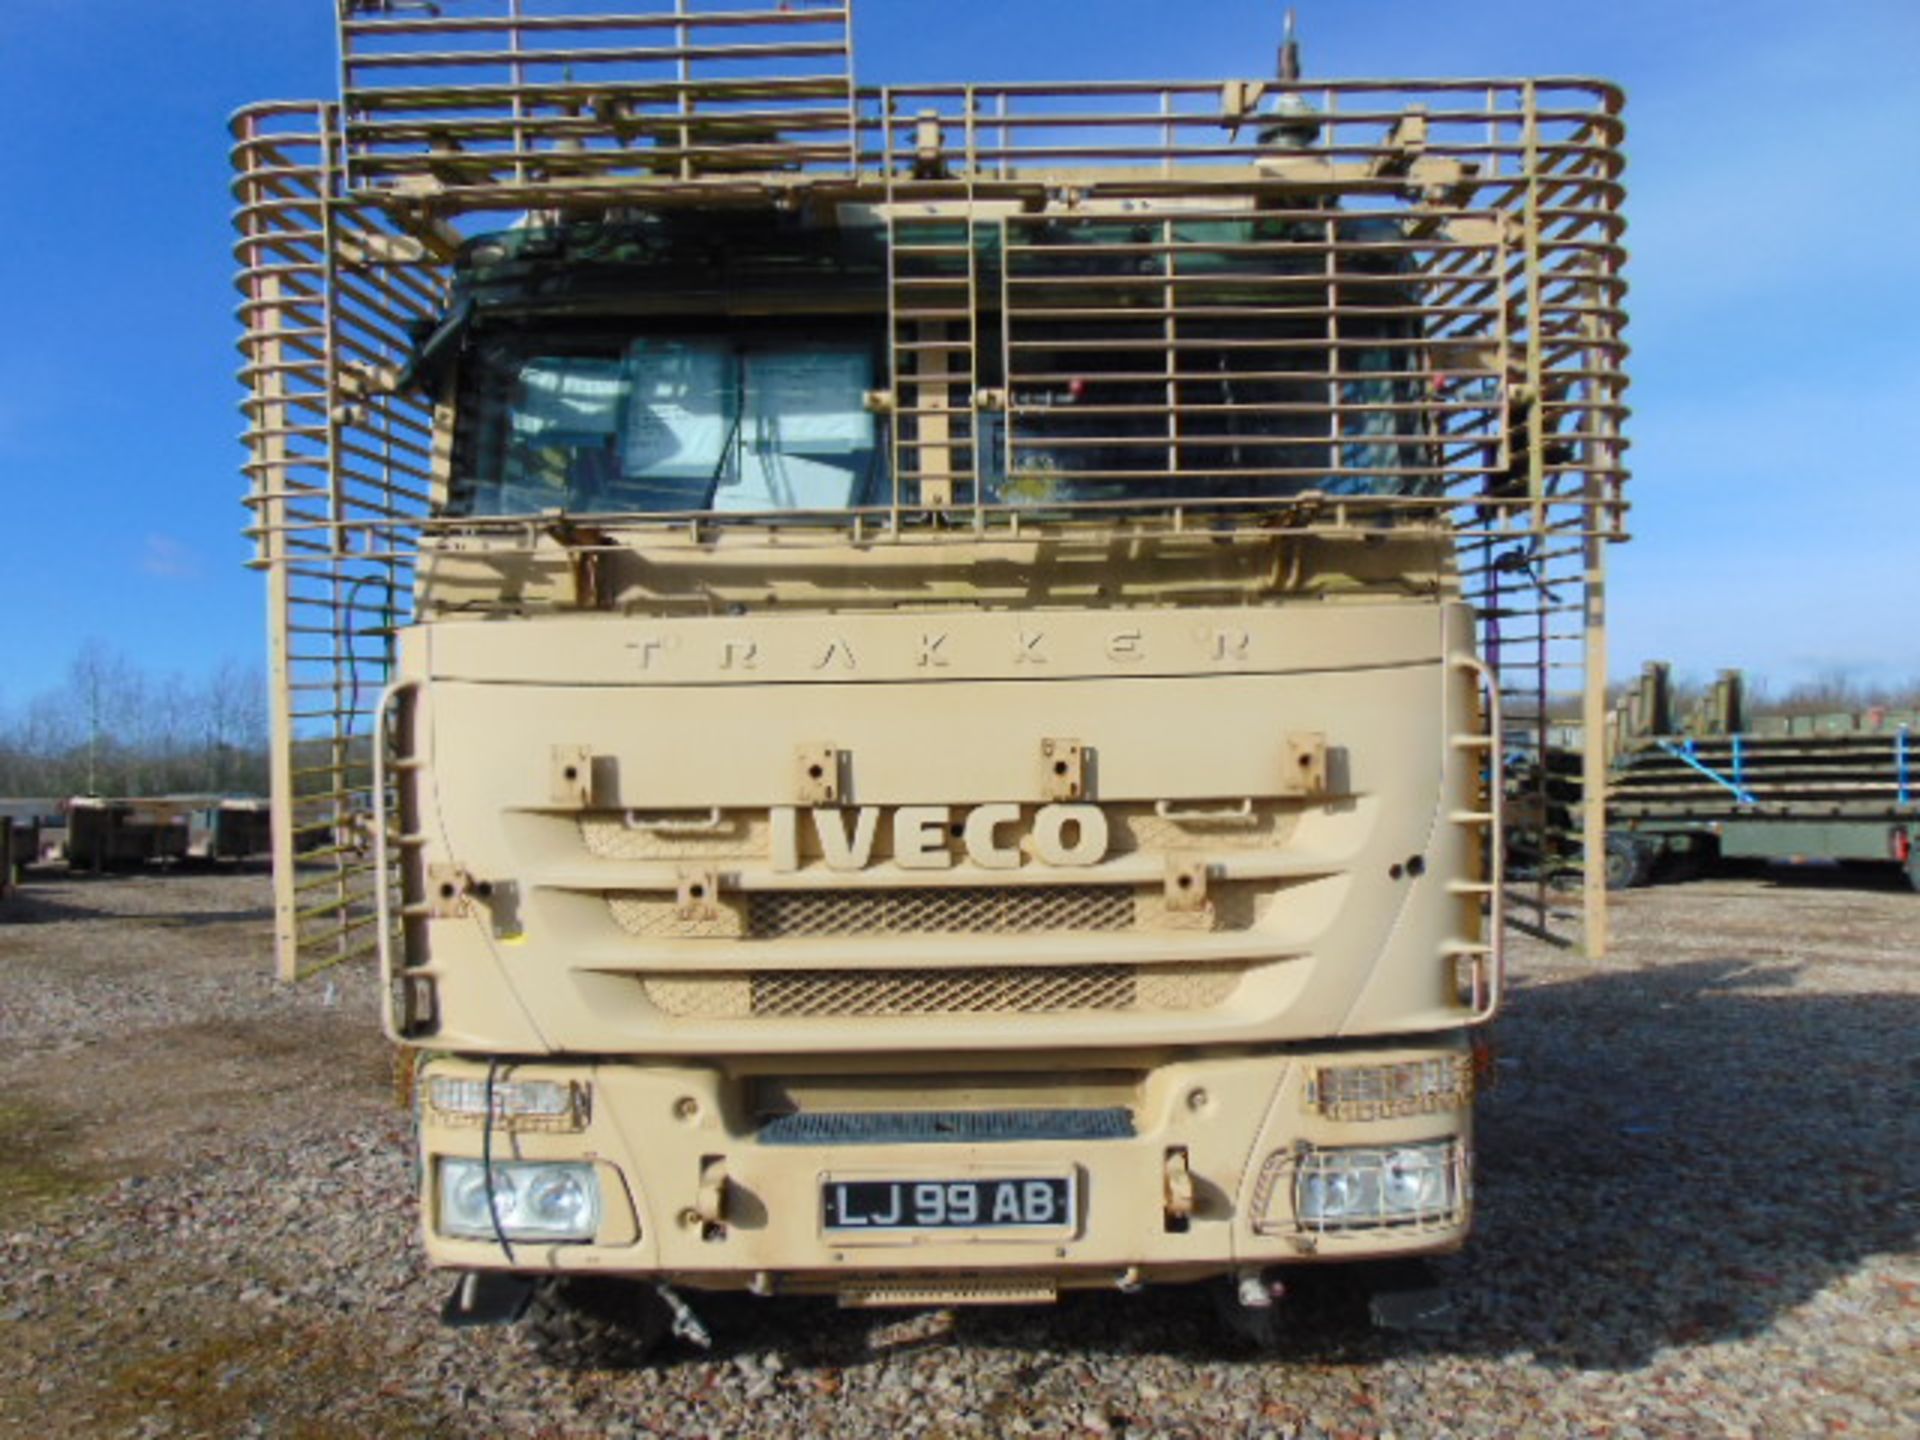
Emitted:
<point x="1381" y="1092"/>
<point x="1390" y="1185"/>
<point x="517" y="1104"/>
<point x="532" y="1200"/>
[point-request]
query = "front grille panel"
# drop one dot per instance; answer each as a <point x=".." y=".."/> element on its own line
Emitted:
<point x="776" y="915"/>
<point x="968" y="990"/>
<point x="980" y="910"/>
<point x="1025" y="991"/>
<point x="945" y="1127"/>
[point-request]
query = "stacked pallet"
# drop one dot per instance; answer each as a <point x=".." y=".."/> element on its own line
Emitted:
<point x="1714" y="781"/>
<point x="1828" y="766"/>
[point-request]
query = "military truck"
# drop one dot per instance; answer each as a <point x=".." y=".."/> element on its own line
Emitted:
<point x="889" y="674"/>
<point x="1719" y="779"/>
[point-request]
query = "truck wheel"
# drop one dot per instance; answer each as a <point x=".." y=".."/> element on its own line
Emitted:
<point x="1629" y="862"/>
<point x="596" y="1323"/>
<point x="1692" y="860"/>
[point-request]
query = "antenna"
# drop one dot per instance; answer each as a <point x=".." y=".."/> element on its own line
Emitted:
<point x="1289" y="50"/>
<point x="1297" y="122"/>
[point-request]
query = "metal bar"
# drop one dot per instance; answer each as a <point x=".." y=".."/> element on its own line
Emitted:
<point x="1494" y="824"/>
<point x="1684" y="754"/>
<point x="267" y="449"/>
<point x="592" y="55"/>
<point x="534" y="24"/>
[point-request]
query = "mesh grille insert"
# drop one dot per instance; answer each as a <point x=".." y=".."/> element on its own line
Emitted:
<point x="945" y="1127"/>
<point x="970" y="990"/>
<point x="944" y="992"/>
<point x="967" y="911"/>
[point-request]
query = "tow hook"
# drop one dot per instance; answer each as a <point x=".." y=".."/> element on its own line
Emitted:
<point x="1246" y="1307"/>
<point x="1255" y="1292"/>
<point x="486" y="1297"/>
<point x="686" y="1324"/>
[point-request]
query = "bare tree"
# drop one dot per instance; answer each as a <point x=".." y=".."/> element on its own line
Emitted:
<point x="112" y="728"/>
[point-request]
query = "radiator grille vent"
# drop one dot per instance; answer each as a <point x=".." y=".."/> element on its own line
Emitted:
<point x="944" y="992"/>
<point x="972" y="990"/>
<point x="977" y="910"/>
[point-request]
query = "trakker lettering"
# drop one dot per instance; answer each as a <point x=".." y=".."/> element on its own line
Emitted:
<point x="834" y="656"/>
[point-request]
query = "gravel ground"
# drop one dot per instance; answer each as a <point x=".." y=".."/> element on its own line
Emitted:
<point x="1699" y="1186"/>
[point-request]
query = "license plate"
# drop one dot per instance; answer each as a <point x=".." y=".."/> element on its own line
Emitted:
<point x="1039" y="1202"/>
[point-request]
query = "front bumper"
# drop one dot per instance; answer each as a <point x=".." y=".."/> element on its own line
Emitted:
<point x="693" y="1191"/>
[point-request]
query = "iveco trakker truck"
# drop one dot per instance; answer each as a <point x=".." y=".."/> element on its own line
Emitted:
<point x="905" y="684"/>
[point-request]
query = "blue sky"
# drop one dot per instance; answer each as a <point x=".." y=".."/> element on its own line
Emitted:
<point x="1776" y="376"/>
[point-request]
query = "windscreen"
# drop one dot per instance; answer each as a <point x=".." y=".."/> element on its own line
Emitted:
<point x="1209" y="358"/>
<point x="665" y="423"/>
<point x="1137" y="361"/>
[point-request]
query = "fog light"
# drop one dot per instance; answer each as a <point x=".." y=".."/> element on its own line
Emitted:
<point x="532" y="1200"/>
<point x="1368" y="1186"/>
<point x="517" y="1104"/>
<point x="1382" y="1092"/>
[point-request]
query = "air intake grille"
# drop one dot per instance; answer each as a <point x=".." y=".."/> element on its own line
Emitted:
<point x="973" y="990"/>
<point x="968" y="911"/>
<point x="945" y="1127"/>
<point x="944" y="992"/>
